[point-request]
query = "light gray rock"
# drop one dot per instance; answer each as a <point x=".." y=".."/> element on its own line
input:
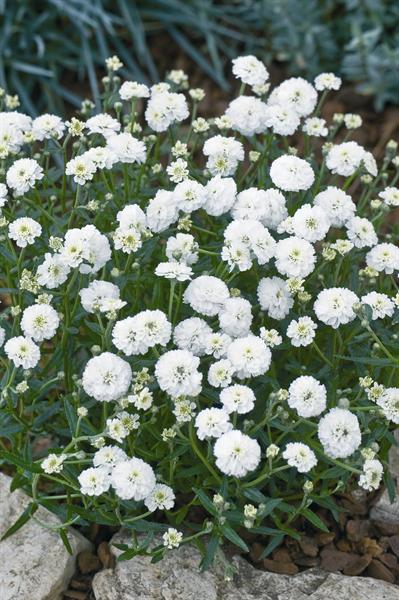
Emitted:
<point x="34" y="564"/>
<point x="383" y="510"/>
<point x="177" y="577"/>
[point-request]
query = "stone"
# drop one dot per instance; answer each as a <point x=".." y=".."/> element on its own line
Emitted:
<point x="379" y="571"/>
<point x="394" y="544"/>
<point x="88" y="562"/>
<point x="34" y="563"/>
<point x="308" y="546"/>
<point x="177" y="577"/>
<point x="335" y="560"/>
<point x="358" y="565"/>
<point x="279" y="566"/>
<point x="384" y="511"/>
<point x="105" y="555"/>
<point x="356" y="529"/>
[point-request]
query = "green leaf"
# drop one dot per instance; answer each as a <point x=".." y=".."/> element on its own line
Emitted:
<point x="272" y="545"/>
<point x="211" y="550"/>
<point x="314" y="519"/>
<point x="65" y="541"/>
<point x="233" y="537"/>
<point x="206" y="502"/>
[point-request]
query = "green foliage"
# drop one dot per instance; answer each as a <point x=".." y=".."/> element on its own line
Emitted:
<point x="50" y="50"/>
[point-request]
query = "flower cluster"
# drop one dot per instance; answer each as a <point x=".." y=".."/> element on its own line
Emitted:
<point x="193" y="304"/>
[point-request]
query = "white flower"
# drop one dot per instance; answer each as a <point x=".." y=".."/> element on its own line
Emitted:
<point x="291" y="174"/>
<point x="271" y="337"/>
<point x="236" y="453"/>
<point x="295" y="93"/>
<point x="344" y="159"/>
<point x="220" y="195"/>
<point x="247" y="115"/>
<point x="390" y="195"/>
<point x="224" y="154"/>
<point x="339" y="433"/>
<point x="94" y="296"/>
<point x="132" y="89"/>
<point x="189" y="195"/>
<point x="381" y="305"/>
<point x="103" y="124"/>
<point x="106" y="377"/>
<point x="192" y="334"/>
<point x="177" y="170"/>
<point x="274" y="297"/>
<point x="266" y="206"/>
<point x="383" y="258"/>
<point x="237" y="398"/>
<point x="162" y="497"/>
<point x="135" y="335"/>
<point x="23" y="174"/>
<point x="249" y="356"/>
<point x="315" y="127"/>
<point x="310" y="223"/>
<point x="250" y="70"/>
<point x="94" y="481"/>
<point x="212" y="422"/>
<point x="3" y="195"/>
<point x="162" y="211"/>
<point x="334" y="306"/>
<point x="301" y="332"/>
<point x="372" y="474"/>
<point x="177" y="373"/>
<point x="327" y="81"/>
<point x="108" y="456"/>
<point x="307" y="396"/>
<point x="283" y="120"/>
<point x="172" y="538"/>
<point x="133" y="479"/>
<point x="165" y="108"/>
<point x="182" y="248"/>
<point x="2" y="336"/>
<point x="127" y="148"/>
<point x="389" y="402"/>
<point x="235" y="317"/>
<point x="52" y="272"/>
<point x="245" y="240"/>
<point x="82" y="168"/>
<point x="47" y="126"/>
<point x="361" y="232"/>
<point x="300" y="456"/>
<point x="174" y="270"/>
<point x="53" y="463"/>
<point x="295" y="257"/>
<point x="86" y="248"/>
<point x="206" y="295"/>
<point x="22" y="352"/>
<point x="40" y="322"/>
<point x="216" y="344"/>
<point x="338" y="205"/>
<point x="220" y="373"/>
<point x="24" y="231"/>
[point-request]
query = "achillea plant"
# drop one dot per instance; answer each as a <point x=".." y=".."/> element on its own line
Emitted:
<point x="197" y="313"/>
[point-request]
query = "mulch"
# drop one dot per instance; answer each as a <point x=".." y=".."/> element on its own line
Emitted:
<point x="354" y="546"/>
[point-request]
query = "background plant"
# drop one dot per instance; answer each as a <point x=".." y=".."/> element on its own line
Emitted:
<point x="50" y="47"/>
<point x="48" y="401"/>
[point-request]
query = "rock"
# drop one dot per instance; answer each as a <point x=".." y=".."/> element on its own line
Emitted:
<point x="177" y="578"/>
<point x="34" y="563"/>
<point x="105" y="555"/>
<point x="88" y="562"/>
<point x="394" y="544"/>
<point x="390" y="561"/>
<point x="356" y="529"/>
<point x="370" y="546"/>
<point x="279" y="566"/>
<point x="308" y="546"/>
<point x="322" y="538"/>
<point x="379" y="571"/>
<point x="256" y="552"/>
<point x="358" y="565"/>
<point x="335" y="560"/>
<point x="384" y="511"/>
